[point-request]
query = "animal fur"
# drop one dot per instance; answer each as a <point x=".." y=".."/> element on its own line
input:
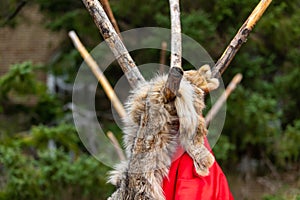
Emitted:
<point x="153" y="131"/>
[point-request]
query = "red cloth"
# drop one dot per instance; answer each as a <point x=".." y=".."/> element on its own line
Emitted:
<point x="184" y="183"/>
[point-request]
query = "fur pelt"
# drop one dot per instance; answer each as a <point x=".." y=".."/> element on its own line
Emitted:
<point x="153" y="130"/>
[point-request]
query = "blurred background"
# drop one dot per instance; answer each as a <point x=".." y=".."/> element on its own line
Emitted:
<point x="41" y="155"/>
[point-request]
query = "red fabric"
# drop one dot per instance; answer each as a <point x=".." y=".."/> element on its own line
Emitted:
<point x="184" y="183"/>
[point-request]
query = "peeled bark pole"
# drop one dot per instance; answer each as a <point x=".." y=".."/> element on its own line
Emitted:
<point x="176" y="72"/>
<point x="114" y="42"/>
<point x="176" y="48"/>
<point x="99" y="74"/>
<point x="107" y="9"/>
<point x="239" y="38"/>
<point x="216" y="107"/>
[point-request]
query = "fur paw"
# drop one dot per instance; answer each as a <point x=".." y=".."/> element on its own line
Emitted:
<point x="211" y="82"/>
<point x="202" y="78"/>
<point x="202" y="167"/>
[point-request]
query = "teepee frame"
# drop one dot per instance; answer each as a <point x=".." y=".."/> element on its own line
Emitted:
<point x="175" y="74"/>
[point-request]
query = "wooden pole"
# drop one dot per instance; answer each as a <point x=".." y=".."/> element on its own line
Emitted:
<point x="217" y="106"/>
<point x="176" y="49"/>
<point x="114" y="42"/>
<point x="162" y="59"/>
<point x="99" y="74"/>
<point x="172" y="84"/>
<point x="239" y="38"/>
<point x="116" y="144"/>
<point x="107" y="9"/>
<point x="176" y="72"/>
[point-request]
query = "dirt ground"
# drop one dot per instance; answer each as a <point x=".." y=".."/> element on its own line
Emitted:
<point x="286" y="186"/>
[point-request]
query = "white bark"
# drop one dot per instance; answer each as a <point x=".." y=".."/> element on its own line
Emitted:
<point x="176" y="49"/>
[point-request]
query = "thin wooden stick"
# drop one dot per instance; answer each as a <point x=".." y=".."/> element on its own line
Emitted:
<point x="162" y="59"/>
<point x="176" y="72"/>
<point x="114" y="42"/>
<point x="99" y="74"/>
<point x="116" y="144"/>
<point x="239" y="38"/>
<point x="107" y="8"/>
<point x="217" y="106"/>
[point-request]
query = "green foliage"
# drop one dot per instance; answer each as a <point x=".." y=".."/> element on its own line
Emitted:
<point x="64" y="135"/>
<point x="8" y="10"/>
<point x="287" y="84"/>
<point x="54" y="175"/>
<point x="32" y="170"/>
<point x="281" y="197"/>
<point x="22" y="92"/>
<point x="20" y="79"/>
<point x="288" y="149"/>
<point x="68" y="15"/>
<point x="223" y="148"/>
<point x="271" y="197"/>
<point x="146" y="12"/>
<point x="29" y="167"/>
<point x="257" y="124"/>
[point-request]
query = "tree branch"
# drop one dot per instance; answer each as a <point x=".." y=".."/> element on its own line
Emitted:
<point x="176" y="72"/>
<point x="239" y="38"/>
<point x="99" y="74"/>
<point x="19" y="7"/>
<point x="114" y="42"/>
<point x="217" y="106"/>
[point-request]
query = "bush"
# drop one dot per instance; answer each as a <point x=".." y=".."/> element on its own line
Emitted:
<point x="32" y="170"/>
<point x="54" y="174"/>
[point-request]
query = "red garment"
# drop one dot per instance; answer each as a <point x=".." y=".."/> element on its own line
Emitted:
<point x="184" y="183"/>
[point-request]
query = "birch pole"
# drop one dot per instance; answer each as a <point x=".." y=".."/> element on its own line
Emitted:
<point x="99" y="74"/>
<point x="176" y="72"/>
<point x="239" y="38"/>
<point x="114" y="42"/>
<point x="107" y="9"/>
<point x="217" y="106"/>
<point x="176" y="49"/>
